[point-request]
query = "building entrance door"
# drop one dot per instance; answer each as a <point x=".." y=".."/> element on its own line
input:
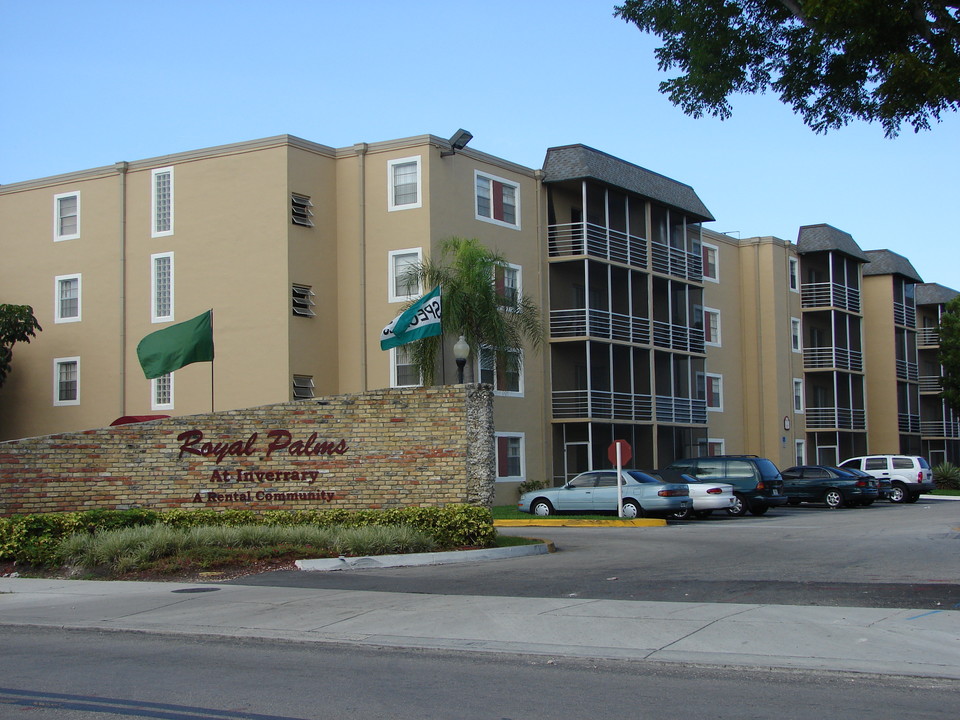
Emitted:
<point x="576" y="459"/>
<point x="827" y="455"/>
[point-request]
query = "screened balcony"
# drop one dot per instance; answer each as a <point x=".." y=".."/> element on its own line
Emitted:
<point x="835" y="418"/>
<point x="830" y="357"/>
<point x="583" y="322"/>
<point x="928" y="337"/>
<point x="827" y="294"/>
<point x="678" y="263"/>
<point x="602" y="404"/>
<point x="584" y="238"/>
<point x="681" y="410"/>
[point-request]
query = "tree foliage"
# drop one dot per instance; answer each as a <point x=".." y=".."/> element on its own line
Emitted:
<point x="17" y="324"/>
<point x="473" y="307"/>
<point x="887" y="61"/>
<point x="950" y="353"/>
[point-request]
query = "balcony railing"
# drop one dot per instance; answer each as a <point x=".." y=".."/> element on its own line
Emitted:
<point x="676" y="262"/>
<point x="830" y="357"/>
<point x="907" y="370"/>
<point x="908" y="423"/>
<point x="904" y="314"/>
<point x="928" y="337"/>
<point x="830" y="295"/>
<point x="681" y="410"/>
<point x="930" y="384"/>
<point x="834" y="418"/>
<point x="602" y="404"/>
<point x="585" y="238"/>
<point x="940" y="429"/>
<point x="600" y="324"/>
<point x="677" y="337"/>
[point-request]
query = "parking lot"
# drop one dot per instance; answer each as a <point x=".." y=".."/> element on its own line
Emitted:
<point x="883" y="556"/>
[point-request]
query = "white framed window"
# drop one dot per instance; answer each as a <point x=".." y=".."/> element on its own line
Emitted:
<point x="711" y="262"/>
<point x="794" y="273"/>
<point x="711" y="326"/>
<point x="798" y="395"/>
<point x="161" y="287"/>
<point x="711" y="447"/>
<point x="302" y="387"/>
<point x="795" y="335"/>
<point x="503" y="372"/>
<point x="300" y="212"/>
<point x="66" y="381"/>
<point x="67" y="298"/>
<point x="507" y="280"/>
<point x="401" y="283"/>
<point x="66" y="216"/>
<point x="510" y="456"/>
<point x="710" y="388"/>
<point x="302" y="300"/>
<point x="403" y="373"/>
<point x="497" y="200"/>
<point x="800" y="455"/>
<point x="403" y="180"/>
<point x="161" y="202"/>
<point x="161" y="392"/>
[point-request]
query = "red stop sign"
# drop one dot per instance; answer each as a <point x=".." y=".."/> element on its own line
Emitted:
<point x="625" y="452"/>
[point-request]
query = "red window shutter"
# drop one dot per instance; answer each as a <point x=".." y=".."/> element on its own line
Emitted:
<point x="497" y="197"/>
<point x="502" y="469"/>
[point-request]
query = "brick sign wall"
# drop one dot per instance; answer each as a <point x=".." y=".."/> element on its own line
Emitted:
<point x="381" y="449"/>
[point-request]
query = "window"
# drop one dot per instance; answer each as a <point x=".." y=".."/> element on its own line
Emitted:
<point x="161" y="392"/>
<point x="507" y="283"/>
<point x="794" y="271"/>
<point x="302" y="387"/>
<point x="66" y="381"/>
<point x="801" y="452"/>
<point x="403" y="373"/>
<point x="502" y="371"/>
<point x="161" y="201"/>
<point x="403" y="177"/>
<point x="710" y="388"/>
<point x="711" y="326"/>
<point x="711" y="262"/>
<point x="795" y="342"/>
<point x="710" y="447"/>
<point x="798" y="395"/>
<point x="67" y="300"/>
<point x="161" y="287"/>
<point x="498" y="201"/>
<point x="402" y="282"/>
<point x="300" y="212"/>
<point x="510" y="448"/>
<point x="302" y="300"/>
<point x="66" y="216"/>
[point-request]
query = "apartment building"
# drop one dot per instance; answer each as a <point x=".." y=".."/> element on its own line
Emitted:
<point x="939" y="424"/>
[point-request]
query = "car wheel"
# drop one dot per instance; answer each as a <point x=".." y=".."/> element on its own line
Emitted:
<point x="759" y="509"/>
<point x="833" y="498"/>
<point x="866" y="503"/>
<point x="738" y="508"/>
<point x="682" y="514"/>
<point x="702" y="514"/>
<point x="898" y="493"/>
<point x="631" y="509"/>
<point x="541" y="508"/>
<point x="912" y="498"/>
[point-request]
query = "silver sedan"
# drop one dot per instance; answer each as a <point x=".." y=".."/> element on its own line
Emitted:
<point x="596" y="491"/>
<point x="706" y="496"/>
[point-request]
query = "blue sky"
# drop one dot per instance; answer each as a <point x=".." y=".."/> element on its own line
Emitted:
<point x="93" y="83"/>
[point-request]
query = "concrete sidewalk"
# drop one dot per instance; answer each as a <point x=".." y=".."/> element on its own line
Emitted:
<point x="920" y="643"/>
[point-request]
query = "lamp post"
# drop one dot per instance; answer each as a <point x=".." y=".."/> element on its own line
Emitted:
<point x="461" y="350"/>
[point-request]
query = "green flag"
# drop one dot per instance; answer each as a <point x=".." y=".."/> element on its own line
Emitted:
<point x="173" y="347"/>
<point x="420" y="320"/>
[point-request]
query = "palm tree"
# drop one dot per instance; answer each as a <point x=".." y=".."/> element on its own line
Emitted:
<point x="474" y="307"/>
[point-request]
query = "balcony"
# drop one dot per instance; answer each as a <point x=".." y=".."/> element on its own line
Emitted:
<point x="905" y="315"/>
<point x="907" y="370"/>
<point x="681" y="410"/>
<point x="821" y="295"/>
<point x="829" y="357"/>
<point x="930" y="384"/>
<point x="676" y="262"/>
<point x="834" y="418"/>
<point x="928" y="337"/>
<point x="908" y="423"/>
<point x="677" y="337"/>
<point x="947" y="429"/>
<point x="599" y="324"/>
<point x="600" y="404"/>
<point x="583" y="238"/>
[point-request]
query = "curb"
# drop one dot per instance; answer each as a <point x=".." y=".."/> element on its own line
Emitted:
<point x="572" y="522"/>
<point x="415" y="559"/>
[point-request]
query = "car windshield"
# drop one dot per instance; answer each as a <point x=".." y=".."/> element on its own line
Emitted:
<point x="641" y="477"/>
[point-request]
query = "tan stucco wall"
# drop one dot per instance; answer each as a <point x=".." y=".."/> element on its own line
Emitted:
<point x="880" y="365"/>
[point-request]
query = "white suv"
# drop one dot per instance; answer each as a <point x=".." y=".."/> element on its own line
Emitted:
<point x="909" y="475"/>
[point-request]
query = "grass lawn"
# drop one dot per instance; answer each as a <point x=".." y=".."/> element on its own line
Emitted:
<point x="935" y="492"/>
<point x="510" y="512"/>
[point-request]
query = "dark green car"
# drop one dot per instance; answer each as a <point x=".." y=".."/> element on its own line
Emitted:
<point x="834" y="487"/>
<point x="757" y="484"/>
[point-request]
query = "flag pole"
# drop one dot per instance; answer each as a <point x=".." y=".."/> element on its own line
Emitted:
<point x="212" y="362"/>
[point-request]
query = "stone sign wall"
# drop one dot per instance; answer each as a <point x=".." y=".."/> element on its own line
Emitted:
<point x="380" y="449"/>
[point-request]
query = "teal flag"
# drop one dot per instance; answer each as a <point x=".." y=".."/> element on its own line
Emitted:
<point x="420" y="320"/>
<point x="173" y="347"/>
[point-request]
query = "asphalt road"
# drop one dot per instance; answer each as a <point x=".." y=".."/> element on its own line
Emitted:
<point x="884" y="556"/>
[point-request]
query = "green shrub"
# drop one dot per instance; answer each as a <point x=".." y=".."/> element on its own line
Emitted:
<point x="531" y="485"/>
<point x="947" y="476"/>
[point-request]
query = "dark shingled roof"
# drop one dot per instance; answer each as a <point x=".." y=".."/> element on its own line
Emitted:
<point x="934" y="294"/>
<point x="818" y="238"/>
<point x="579" y="162"/>
<point x="885" y="262"/>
